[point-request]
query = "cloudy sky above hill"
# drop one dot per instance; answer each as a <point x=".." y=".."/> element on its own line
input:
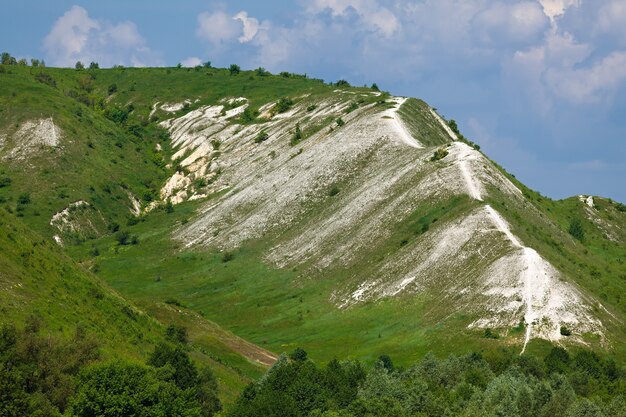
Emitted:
<point x="540" y="84"/>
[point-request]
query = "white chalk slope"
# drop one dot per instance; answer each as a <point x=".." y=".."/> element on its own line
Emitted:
<point x="381" y="175"/>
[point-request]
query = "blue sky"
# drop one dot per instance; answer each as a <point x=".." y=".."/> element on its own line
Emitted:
<point x="539" y="84"/>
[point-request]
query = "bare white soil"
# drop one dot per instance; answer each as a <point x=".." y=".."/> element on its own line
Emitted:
<point x="33" y="136"/>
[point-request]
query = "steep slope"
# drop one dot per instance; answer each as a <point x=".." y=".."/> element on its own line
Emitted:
<point x="331" y="201"/>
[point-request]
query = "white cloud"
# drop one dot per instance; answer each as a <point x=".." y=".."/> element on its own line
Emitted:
<point x="612" y="19"/>
<point x="77" y="37"/>
<point x="590" y="84"/>
<point x="556" y="8"/>
<point x="370" y="12"/>
<point x="192" y="61"/>
<point x="511" y="22"/>
<point x="218" y="27"/>
<point x="250" y="26"/>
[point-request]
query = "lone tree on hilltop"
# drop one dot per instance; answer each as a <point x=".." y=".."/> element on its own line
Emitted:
<point x="234" y="69"/>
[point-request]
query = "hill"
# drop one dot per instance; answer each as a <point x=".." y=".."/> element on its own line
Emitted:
<point x="297" y="213"/>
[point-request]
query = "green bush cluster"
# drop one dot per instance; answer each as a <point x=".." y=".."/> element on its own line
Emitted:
<point x="498" y="383"/>
<point x="41" y="375"/>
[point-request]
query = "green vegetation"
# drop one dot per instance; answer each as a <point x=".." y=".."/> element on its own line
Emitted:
<point x="501" y="383"/>
<point x="416" y="117"/>
<point x="44" y="375"/>
<point x="440" y="153"/>
<point x="261" y="137"/>
<point x="112" y="151"/>
<point x="576" y="229"/>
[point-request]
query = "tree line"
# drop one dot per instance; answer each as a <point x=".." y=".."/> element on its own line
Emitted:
<point x="499" y="383"/>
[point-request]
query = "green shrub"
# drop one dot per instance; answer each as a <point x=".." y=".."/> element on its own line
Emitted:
<point x="353" y="106"/>
<point x="23" y="199"/>
<point x="283" y="105"/>
<point x="297" y="135"/>
<point x="45" y="78"/>
<point x="261" y="72"/>
<point x="261" y="137"/>
<point x="453" y="126"/>
<point x="228" y="256"/>
<point x="340" y="122"/>
<point x="565" y="331"/>
<point x="439" y="154"/>
<point x="175" y="333"/>
<point x="5" y="181"/>
<point x="576" y="229"/>
<point x="112" y="89"/>
<point x="333" y="191"/>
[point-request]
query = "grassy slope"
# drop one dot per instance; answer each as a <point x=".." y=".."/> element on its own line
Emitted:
<point x="37" y="278"/>
<point x="269" y="306"/>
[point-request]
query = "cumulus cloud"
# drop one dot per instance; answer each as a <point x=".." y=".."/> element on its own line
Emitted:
<point x="77" y="37"/>
<point x="218" y="27"/>
<point x="192" y="61"/>
<point x="591" y="84"/>
<point x="523" y="41"/>
<point x="556" y="8"/>
<point x="511" y="22"/>
<point x="250" y="26"/>
<point x="370" y="13"/>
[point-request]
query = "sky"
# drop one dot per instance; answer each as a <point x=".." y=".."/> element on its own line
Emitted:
<point x="539" y="84"/>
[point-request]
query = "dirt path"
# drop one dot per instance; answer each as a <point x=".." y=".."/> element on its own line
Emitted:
<point x="398" y="126"/>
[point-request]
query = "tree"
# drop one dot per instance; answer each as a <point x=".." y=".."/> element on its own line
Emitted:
<point x="94" y="65"/>
<point x="576" y="229"/>
<point x="79" y="65"/>
<point x="453" y="126"/>
<point x="22" y="62"/>
<point x="34" y="62"/>
<point x="184" y="374"/>
<point x="261" y="72"/>
<point x="177" y="334"/>
<point x="207" y="392"/>
<point x="207" y="64"/>
<point x="234" y="69"/>
<point x="7" y="59"/>
<point x="375" y="87"/>
<point x="127" y="389"/>
<point x="298" y="355"/>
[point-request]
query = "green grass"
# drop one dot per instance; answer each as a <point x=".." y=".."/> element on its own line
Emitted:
<point x="416" y="116"/>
